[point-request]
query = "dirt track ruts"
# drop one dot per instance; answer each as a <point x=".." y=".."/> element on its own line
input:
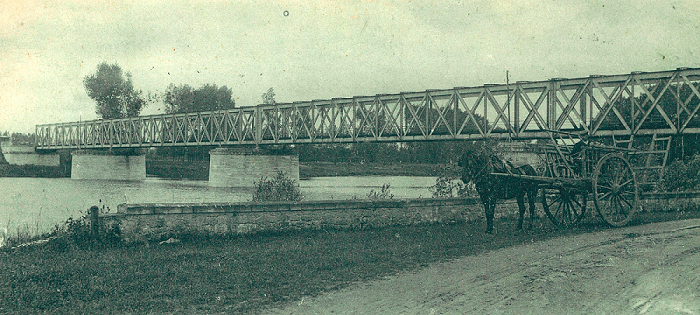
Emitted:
<point x="647" y="269"/>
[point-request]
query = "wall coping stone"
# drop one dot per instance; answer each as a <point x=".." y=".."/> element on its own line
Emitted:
<point x="321" y="205"/>
<point x="316" y="205"/>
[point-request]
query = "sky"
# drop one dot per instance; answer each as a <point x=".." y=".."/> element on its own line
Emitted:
<point x="322" y="49"/>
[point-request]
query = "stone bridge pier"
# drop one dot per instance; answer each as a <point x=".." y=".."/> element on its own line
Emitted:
<point x="230" y="167"/>
<point x="93" y="164"/>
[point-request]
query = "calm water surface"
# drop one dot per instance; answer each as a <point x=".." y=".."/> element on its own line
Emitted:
<point x="38" y="204"/>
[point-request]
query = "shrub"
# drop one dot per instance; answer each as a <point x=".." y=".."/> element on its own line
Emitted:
<point x="383" y="194"/>
<point x="681" y="175"/>
<point x="445" y="187"/>
<point x="449" y="184"/>
<point x="279" y="188"/>
<point x="74" y="232"/>
<point x="78" y="230"/>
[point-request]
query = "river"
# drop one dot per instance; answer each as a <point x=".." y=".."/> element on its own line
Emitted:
<point x="36" y="205"/>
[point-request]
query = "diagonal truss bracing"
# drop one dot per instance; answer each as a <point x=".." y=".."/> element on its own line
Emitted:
<point x="639" y="103"/>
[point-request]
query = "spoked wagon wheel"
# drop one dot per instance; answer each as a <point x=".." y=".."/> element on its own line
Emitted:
<point x="615" y="190"/>
<point x="564" y="206"/>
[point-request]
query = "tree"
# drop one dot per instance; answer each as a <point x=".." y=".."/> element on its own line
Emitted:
<point x="22" y="138"/>
<point x="114" y="92"/>
<point x="269" y="97"/>
<point x="186" y="99"/>
<point x="209" y="97"/>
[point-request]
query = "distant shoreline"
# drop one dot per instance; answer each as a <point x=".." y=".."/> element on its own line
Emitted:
<point x="199" y="170"/>
<point x="9" y="170"/>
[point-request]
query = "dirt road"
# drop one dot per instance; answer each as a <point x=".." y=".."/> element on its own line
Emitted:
<point x="649" y="269"/>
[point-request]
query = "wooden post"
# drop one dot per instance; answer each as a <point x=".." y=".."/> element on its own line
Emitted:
<point x="94" y="221"/>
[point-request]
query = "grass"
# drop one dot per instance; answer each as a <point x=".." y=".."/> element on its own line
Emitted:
<point x="244" y="274"/>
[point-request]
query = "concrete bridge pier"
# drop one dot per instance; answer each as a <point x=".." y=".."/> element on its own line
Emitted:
<point x="243" y="167"/>
<point x="106" y="165"/>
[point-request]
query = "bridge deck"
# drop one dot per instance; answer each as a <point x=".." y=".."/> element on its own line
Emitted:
<point x="665" y="102"/>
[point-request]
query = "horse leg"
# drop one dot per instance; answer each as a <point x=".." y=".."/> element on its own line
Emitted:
<point x="489" y="211"/>
<point x="521" y="209"/>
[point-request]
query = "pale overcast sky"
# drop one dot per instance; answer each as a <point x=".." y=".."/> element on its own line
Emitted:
<point x="320" y="49"/>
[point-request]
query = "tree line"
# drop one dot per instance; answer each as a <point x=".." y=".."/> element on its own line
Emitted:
<point x="115" y="96"/>
<point x="443" y="152"/>
<point x="19" y="138"/>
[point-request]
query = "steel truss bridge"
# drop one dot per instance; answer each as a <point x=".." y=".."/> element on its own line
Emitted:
<point x="639" y="103"/>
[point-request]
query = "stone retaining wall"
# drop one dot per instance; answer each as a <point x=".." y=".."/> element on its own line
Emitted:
<point x="144" y="222"/>
<point x="148" y="222"/>
<point x="669" y="201"/>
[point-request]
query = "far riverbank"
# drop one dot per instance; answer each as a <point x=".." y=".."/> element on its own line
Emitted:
<point x="199" y="170"/>
<point x="8" y="170"/>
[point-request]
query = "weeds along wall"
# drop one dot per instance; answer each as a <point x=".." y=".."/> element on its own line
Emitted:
<point x="152" y="222"/>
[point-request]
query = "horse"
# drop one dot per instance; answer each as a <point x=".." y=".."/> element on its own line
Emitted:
<point x="478" y="162"/>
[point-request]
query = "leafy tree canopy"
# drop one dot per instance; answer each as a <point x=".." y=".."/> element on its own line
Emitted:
<point x="114" y="92"/>
<point x="185" y="99"/>
<point x="269" y="97"/>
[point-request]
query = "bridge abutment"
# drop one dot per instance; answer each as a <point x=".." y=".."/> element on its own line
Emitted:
<point x="243" y="167"/>
<point x="102" y="165"/>
<point x="25" y="155"/>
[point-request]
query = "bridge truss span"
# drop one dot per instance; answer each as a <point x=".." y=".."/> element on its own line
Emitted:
<point x="639" y="103"/>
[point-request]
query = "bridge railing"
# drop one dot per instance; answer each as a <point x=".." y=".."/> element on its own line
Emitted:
<point x="664" y="102"/>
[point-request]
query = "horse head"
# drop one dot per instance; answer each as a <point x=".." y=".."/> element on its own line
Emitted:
<point x="476" y="162"/>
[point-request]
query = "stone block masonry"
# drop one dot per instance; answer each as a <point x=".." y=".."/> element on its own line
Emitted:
<point x="94" y="165"/>
<point x="152" y="222"/>
<point x="240" y="168"/>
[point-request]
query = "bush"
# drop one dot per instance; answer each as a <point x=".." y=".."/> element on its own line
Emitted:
<point x="449" y="184"/>
<point x="78" y="230"/>
<point x="280" y="188"/>
<point x="383" y="194"/>
<point x="681" y="175"/>
<point x="74" y="232"/>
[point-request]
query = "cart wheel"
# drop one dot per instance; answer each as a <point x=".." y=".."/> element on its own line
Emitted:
<point x="615" y="190"/>
<point x="564" y="206"/>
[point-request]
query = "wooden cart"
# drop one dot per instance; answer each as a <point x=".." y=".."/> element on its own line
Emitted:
<point x="575" y="171"/>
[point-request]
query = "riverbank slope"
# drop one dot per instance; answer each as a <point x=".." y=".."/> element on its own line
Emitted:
<point x="251" y="273"/>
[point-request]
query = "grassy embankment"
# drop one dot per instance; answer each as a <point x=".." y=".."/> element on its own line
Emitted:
<point x="244" y="274"/>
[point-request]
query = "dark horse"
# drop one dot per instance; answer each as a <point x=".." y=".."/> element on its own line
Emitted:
<point x="478" y="162"/>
